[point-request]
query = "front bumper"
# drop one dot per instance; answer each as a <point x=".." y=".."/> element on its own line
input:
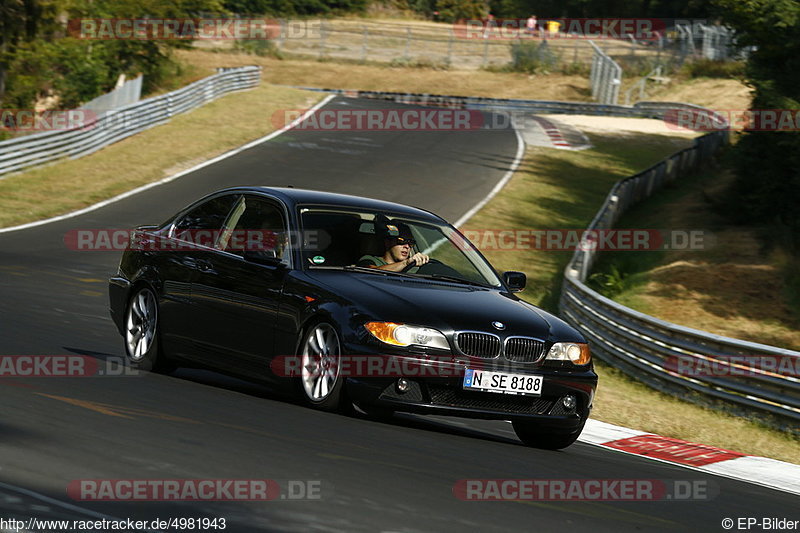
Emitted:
<point x="436" y="387"/>
<point x="118" y="293"/>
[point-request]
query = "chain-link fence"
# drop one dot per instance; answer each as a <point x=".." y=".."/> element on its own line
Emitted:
<point x="436" y="45"/>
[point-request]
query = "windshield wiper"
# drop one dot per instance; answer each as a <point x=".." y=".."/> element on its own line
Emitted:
<point x="442" y="277"/>
<point x="455" y="279"/>
<point x="356" y="268"/>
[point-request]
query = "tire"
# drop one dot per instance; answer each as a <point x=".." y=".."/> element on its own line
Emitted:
<point x="536" y="436"/>
<point x="320" y="383"/>
<point x="142" y="349"/>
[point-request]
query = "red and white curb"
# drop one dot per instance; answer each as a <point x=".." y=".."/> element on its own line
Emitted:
<point x="750" y="468"/>
<point x="558" y="135"/>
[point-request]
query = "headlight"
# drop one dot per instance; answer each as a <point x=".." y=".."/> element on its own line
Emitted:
<point x="406" y="335"/>
<point x="576" y="352"/>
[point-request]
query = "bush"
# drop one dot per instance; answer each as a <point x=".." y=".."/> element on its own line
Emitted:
<point x="72" y="70"/>
<point x="532" y="58"/>
<point x="709" y="68"/>
<point x="407" y="62"/>
<point x="259" y="47"/>
<point x="610" y="283"/>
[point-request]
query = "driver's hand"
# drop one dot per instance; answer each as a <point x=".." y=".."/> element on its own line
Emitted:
<point x="418" y="259"/>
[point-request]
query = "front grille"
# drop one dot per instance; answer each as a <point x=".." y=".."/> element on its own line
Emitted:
<point x="524" y="349"/>
<point x="483" y="345"/>
<point x="489" y="401"/>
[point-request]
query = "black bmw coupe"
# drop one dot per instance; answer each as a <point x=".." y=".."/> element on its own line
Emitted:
<point x="347" y="300"/>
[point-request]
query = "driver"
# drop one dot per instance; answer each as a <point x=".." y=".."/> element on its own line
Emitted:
<point x="398" y="242"/>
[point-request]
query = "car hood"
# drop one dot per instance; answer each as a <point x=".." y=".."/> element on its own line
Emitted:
<point x="445" y="306"/>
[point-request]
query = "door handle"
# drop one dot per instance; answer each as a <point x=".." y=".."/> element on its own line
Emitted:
<point x="203" y="265"/>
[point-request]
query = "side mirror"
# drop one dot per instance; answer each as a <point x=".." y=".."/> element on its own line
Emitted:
<point x="262" y="257"/>
<point x="515" y="281"/>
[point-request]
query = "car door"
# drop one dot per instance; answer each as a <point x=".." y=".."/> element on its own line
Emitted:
<point x="184" y="251"/>
<point x="241" y="287"/>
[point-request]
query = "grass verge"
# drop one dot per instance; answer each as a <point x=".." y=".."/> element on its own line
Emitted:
<point x="350" y="75"/>
<point x="563" y="190"/>
<point x="730" y="284"/>
<point x="560" y="189"/>
<point x="186" y="140"/>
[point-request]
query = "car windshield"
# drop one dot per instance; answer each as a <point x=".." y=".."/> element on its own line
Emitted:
<point x="343" y="238"/>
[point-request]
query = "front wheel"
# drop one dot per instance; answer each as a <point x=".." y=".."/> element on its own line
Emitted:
<point x="141" y="332"/>
<point x="320" y="358"/>
<point x="536" y="436"/>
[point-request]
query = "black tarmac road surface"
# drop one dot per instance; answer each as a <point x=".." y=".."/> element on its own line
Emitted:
<point x="364" y="475"/>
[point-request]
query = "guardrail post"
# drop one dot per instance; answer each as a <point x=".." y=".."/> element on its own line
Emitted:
<point x="281" y="33"/>
<point x="323" y="35"/>
<point x="364" y="44"/>
<point x="450" y="50"/>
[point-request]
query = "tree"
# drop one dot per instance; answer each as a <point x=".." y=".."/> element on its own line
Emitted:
<point x="37" y="56"/>
<point x="767" y="186"/>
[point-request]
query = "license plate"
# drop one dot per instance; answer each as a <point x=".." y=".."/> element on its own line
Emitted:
<point x="503" y="382"/>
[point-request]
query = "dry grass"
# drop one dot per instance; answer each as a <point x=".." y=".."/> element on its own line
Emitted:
<point x="730" y="287"/>
<point x="556" y="189"/>
<point x="149" y="156"/>
<point x="708" y="92"/>
<point x="329" y="74"/>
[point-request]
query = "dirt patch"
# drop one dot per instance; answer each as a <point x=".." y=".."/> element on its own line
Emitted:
<point x="712" y="93"/>
<point x="621" y="125"/>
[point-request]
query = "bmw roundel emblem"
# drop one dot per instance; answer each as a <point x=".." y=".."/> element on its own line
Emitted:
<point x="498" y="325"/>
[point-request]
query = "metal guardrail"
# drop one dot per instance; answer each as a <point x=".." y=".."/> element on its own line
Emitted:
<point x="668" y="356"/>
<point x="649" y="349"/>
<point x="117" y="124"/>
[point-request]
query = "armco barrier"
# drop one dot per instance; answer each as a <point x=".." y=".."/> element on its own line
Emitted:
<point x="115" y="125"/>
<point x="640" y="345"/>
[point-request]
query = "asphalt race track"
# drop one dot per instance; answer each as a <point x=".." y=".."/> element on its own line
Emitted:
<point x="372" y="476"/>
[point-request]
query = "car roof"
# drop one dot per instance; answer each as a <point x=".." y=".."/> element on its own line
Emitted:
<point x="294" y="197"/>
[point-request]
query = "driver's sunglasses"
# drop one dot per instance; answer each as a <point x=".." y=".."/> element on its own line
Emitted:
<point x="401" y="241"/>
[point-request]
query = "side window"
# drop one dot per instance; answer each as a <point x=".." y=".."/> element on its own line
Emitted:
<point x="257" y="225"/>
<point x="203" y="224"/>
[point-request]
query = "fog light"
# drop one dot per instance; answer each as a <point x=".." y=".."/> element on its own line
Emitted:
<point x="403" y="385"/>
<point x="568" y="402"/>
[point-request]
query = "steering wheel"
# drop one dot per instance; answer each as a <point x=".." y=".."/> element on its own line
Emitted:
<point x="434" y="267"/>
<point x="430" y="262"/>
